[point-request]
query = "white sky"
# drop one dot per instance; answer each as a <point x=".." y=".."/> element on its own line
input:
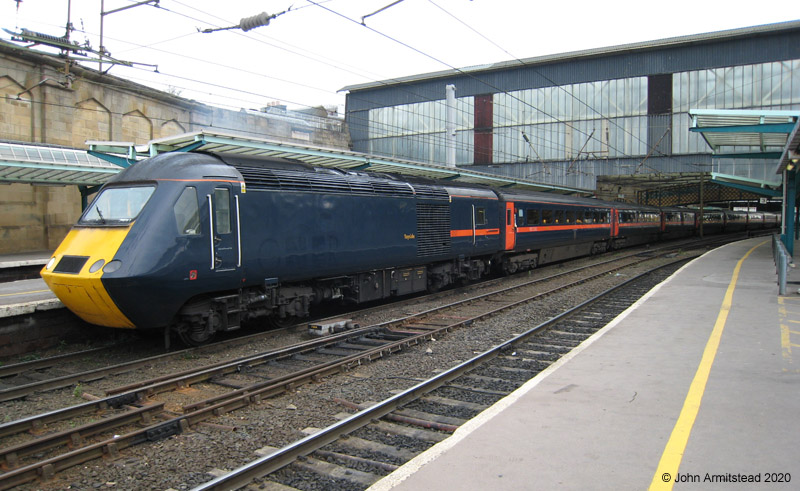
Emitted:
<point x="305" y="56"/>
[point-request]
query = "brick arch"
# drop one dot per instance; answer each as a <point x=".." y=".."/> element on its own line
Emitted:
<point x="170" y="128"/>
<point x="136" y="127"/>
<point x="92" y="121"/>
<point x="16" y="114"/>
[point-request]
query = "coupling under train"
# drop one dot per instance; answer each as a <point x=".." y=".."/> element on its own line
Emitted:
<point x="196" y="244"/>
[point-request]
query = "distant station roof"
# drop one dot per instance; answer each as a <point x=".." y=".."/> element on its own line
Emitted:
<point x="211" y="141"/>
<point x="52" y="165"/>
<point x="482" y="70"/>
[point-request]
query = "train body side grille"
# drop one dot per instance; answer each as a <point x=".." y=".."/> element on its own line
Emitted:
<point x="433" y="229"/>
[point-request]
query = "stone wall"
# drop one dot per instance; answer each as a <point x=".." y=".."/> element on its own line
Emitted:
<point x="41" y="103"/>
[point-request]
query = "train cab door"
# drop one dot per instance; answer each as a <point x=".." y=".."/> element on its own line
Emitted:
<point x="223" y="222"/>
<point x="511" y="227"/>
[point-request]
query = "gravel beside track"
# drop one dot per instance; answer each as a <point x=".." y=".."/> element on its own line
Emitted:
<point x="185" y="460"/>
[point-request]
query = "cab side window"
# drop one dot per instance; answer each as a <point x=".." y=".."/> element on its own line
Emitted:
<point x="187" y="213"/>
<point x="222" y="210"/>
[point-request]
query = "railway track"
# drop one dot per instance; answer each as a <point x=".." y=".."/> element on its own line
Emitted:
<point x="365" y="446"/>
<point x="24" y="379"/>
<point x="129" y="415"/>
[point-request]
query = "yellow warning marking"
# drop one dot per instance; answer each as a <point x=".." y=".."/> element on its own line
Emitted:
<point x="786" y="333"/>
<point x="667" y="469"/>
<point x="22" y="293"/>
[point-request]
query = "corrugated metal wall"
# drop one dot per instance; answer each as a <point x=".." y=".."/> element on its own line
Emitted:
<point x="659" y="142"/>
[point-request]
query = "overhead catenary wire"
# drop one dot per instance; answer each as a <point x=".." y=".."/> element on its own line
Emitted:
<point x="458" y="70"/>
<point x="316" y="3"/>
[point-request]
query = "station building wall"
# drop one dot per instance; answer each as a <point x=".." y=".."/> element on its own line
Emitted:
<point x="93" y="106"/>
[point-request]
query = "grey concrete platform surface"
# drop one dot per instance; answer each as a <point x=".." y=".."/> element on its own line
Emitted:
<point x="16" y="260"/>
<point x="25" y="296"/>
<point x="679" y="386"/>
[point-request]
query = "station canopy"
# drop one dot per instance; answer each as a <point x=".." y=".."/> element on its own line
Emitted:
<point x="766" y="134"/>
<point x="215" y="142"/>
<point x="52" y="165"/>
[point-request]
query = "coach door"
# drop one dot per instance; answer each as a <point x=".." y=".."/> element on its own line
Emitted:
<point x="614" y="222"/>
<point x="511" y="227"/>
<point x="225" y="237"/>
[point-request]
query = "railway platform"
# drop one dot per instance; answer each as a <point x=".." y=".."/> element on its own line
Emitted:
<point x="694" y="387"/>
<point x="25" y="296"/>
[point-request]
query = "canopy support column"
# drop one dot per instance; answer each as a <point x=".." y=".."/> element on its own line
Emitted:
<point x="790" y="193"/>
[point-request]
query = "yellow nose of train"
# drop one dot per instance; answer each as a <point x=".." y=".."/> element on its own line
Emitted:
<point x="75" y="274"/>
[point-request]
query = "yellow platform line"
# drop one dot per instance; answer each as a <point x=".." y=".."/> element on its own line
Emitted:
<point x="786" y="332"/>
<point x="22" y="293"/>
<point x="673" y="452"/>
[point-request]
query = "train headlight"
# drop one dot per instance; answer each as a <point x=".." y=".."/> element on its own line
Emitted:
<point x="112" y="266"/>
<point x="50" y="264"/>
<point x="94" y="268"/>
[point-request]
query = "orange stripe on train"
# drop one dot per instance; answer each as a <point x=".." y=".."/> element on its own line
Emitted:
<point x="479" y="232"/>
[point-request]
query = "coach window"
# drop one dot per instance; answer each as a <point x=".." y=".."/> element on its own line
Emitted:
<point x="559" y="216"/>
<point x="480" y="216"/>
<point x="547" y="217"/>
<point x="570" y="217"/>
<point x="532" y="218"/>
<point x="222" y="210"/>
<point x="587" y="217"/>
<point x="187" y="214"/>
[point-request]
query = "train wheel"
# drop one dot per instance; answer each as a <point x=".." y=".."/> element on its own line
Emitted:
<point x="282" y="323"/>
<point x="195" y="335"/>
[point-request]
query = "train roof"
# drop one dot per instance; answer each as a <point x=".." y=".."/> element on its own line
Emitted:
<point x="177" y="166"/>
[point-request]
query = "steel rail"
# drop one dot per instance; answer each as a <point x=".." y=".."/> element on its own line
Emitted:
<point x="39" y="421"/>
<point x="193" y="376"/>
<point x="241" y="398"/>
<point x="27" y="366"/>
<point x="256" y="392"/>
<point x="282" y="457"/>
<point x="74" y="436"/>
<point x="95" y="374"/>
